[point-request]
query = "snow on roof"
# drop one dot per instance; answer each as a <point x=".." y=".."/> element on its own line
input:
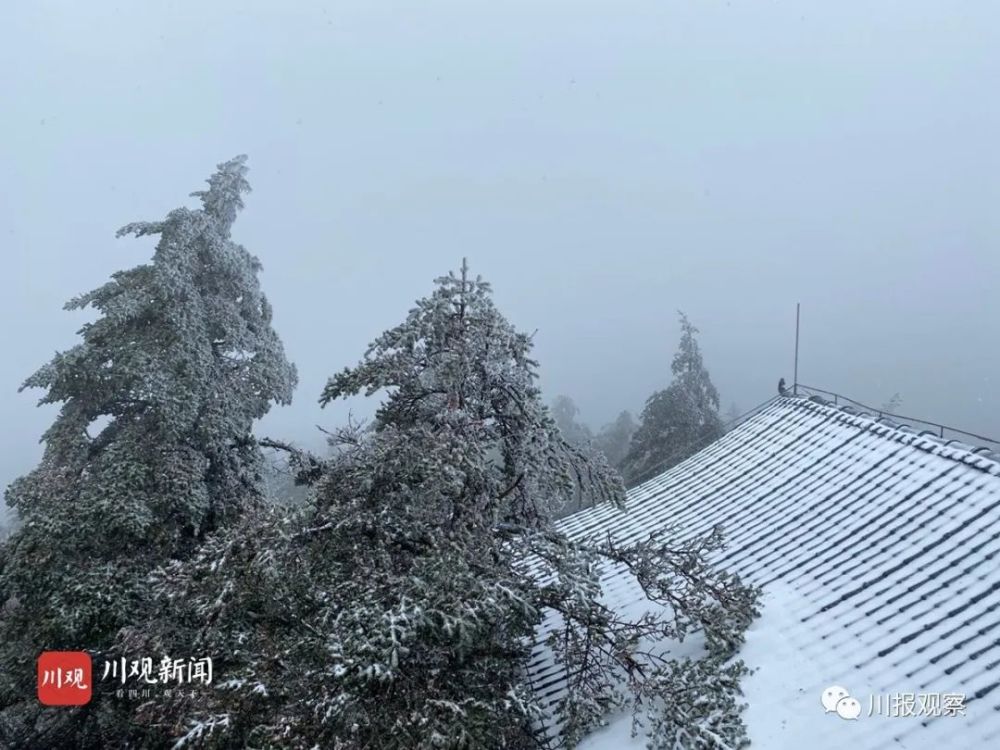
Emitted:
<point x="877" y="548"/>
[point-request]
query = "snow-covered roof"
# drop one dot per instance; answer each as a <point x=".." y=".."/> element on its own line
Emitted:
<point x="877" y="548"/>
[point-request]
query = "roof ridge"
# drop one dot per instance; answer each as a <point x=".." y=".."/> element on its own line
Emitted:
<point x="812" y="393"/>
<point x="975" y="453"/>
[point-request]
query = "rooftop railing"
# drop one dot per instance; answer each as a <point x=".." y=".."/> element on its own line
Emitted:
<point x="944" y="432"/>
<point x="940" y="430"/>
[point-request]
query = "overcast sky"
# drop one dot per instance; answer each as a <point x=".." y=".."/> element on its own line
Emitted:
<point x="601" y="163"/>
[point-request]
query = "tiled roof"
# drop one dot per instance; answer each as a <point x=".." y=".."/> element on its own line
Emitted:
<point x="886" y="543"/>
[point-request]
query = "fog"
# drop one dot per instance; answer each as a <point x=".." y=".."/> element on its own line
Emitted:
<point x="602" y="164"/>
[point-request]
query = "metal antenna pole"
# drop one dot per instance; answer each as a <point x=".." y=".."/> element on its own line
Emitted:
<point x="795" y="380"/>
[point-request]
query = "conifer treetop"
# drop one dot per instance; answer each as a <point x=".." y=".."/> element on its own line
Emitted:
<point x="152" y="446"/>
<point x="456" y="363"/>
<point x="688" y="367"/>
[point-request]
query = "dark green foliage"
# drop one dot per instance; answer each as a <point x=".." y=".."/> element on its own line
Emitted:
<point x="396" y="610"/>
<point x="678" y="421"/>
<point x="152" y="447"/>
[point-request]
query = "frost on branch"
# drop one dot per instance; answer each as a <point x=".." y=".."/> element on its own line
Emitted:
<point x="180" y="362"/>
<point x="614" y="662"/>
<point x="398" y="608"/>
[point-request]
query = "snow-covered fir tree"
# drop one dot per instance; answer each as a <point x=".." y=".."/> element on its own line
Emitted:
<point x="679" y="420"/>
<point x="151" y="450"/>
<point x="397" y="609"/>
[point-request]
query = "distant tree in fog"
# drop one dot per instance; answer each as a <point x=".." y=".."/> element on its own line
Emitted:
<point x="893" y="405"/>
<point x="732" y="413"/>
<point x="679" y="420"/>
<point x="565" y="412"/>
<point x="614" y="438"/>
